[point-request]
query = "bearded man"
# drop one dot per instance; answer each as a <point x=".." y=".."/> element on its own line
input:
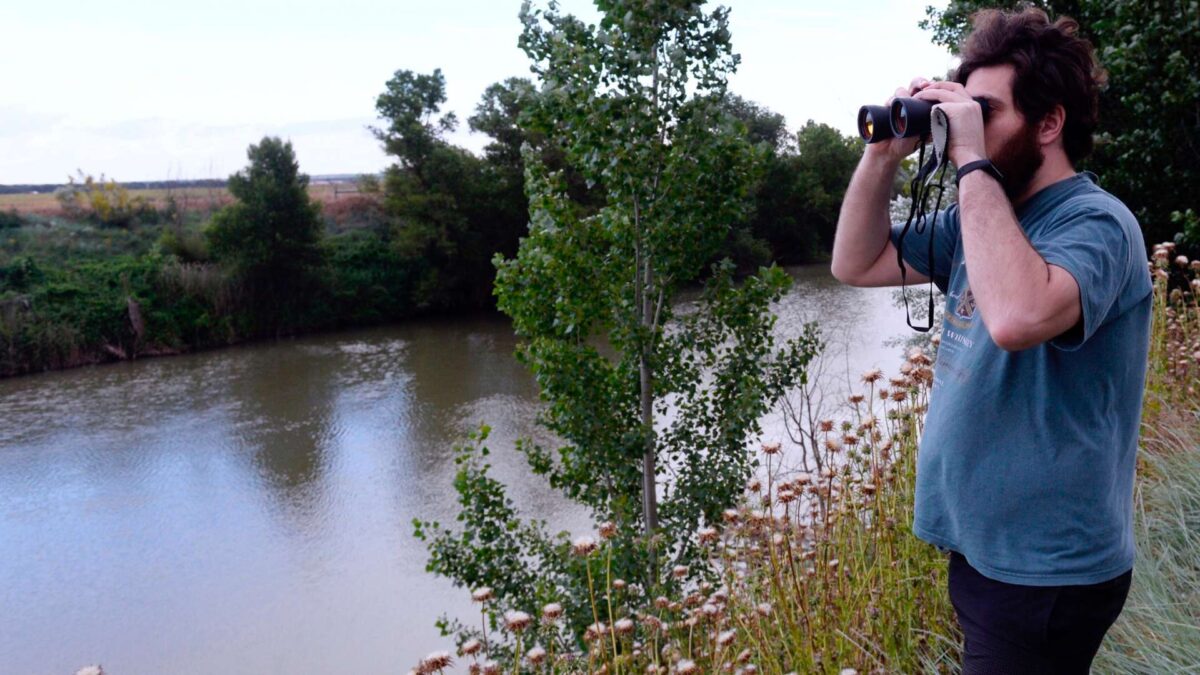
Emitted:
<point x="1026" y="464"/>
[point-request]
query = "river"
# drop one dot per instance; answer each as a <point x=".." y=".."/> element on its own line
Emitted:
<point x="249" y="510"/>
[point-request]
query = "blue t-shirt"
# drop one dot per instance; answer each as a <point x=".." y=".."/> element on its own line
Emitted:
<point x="1026" y="463"/>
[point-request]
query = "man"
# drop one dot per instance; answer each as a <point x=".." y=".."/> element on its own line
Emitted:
<point x="1025" y="469"/>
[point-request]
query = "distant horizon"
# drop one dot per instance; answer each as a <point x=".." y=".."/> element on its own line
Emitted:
<point x="153" y="90"/>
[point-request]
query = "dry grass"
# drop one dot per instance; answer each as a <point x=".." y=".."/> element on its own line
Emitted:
<point x="189" y="199"/>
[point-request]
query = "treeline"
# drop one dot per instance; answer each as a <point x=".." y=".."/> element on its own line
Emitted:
<point x="123" y="277"/>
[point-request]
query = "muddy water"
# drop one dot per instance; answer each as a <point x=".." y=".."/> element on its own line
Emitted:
<point x="249" y="510"/>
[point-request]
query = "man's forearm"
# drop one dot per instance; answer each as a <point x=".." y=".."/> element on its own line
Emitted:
<point x="864" y="224"/>
<point x="1008" y="276"/>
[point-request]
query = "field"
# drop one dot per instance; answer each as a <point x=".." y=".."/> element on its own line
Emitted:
<point x="190" y="199"/>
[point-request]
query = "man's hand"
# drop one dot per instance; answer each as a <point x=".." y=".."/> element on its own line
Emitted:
<point x="966" y="120"/>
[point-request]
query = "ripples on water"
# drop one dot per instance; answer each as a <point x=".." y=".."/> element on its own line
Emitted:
<point x="249" y="510"/>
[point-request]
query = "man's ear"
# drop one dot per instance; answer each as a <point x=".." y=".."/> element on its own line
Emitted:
<point x="1051" y="126"/>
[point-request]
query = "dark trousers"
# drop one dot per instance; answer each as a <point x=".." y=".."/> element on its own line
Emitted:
<point x="1009" y="629"/>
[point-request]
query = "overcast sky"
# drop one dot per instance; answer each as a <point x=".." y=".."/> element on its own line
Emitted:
<point x="159" y="89"/>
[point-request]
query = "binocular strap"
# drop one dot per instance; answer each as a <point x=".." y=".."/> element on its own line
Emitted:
<point x="918" y="215"/>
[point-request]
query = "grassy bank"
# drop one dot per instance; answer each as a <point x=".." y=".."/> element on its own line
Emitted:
<point x="817" y="569"/>
<point x="74" y="291"/>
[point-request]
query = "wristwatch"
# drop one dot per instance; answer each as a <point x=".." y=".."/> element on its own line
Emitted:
<point x="984" y="164"/>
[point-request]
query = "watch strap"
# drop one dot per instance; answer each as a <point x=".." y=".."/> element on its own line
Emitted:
<point x="979" y="164"/>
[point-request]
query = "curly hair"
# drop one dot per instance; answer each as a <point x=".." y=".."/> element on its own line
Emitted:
<point x="1053" y="65"/>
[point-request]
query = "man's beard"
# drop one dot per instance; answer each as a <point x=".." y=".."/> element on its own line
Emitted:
<point x="1018" y="160"/>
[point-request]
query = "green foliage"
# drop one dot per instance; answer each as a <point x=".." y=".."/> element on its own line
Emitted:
<point x="368" y="281"/>
<point x="271" y="236"/>
<point x="1149" y="136"/>
<point x="636" y="106"/>
<point x="10" y="219"/>
<point x="437" y="196"/>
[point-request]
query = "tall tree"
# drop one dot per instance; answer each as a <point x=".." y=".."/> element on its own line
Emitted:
<point x="271" y="235"/>
<point x="435" y="195"/>
<point x="655" y="406"/>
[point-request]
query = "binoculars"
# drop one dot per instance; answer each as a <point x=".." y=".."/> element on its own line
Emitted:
<point x="906" y="117"/>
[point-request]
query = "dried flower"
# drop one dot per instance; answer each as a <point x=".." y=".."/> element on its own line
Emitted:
<point x="583" y="546"/>
<point x="662" y="602"/>
<point x="608" y="529"/>
<point x="729" y="515"/>
<point x="763" y="608"/>
<point x="434" y="662"/>
<point x="594" y="632"/>
<point x="536" y="655"/>
<point x="772" y="448"/>
<point x="618" y="584"/>
<point x="482" y="594"/>
<point x="679" y="571"/>
<point x="686" y="667"/>
<point x="470" y="647"/>
<point x="707" y="535"/>
<point x="725" y="638"/>
<point x="623" y="626"/>
<point x="754" y="485"/>
<point x="872" y="376"/>
<point x="552" y="611"/>
<point x="855" y="399"/>
<point x="490" y="668"/>
<point x="786" y="496"/>
<point x="517" y="621"/>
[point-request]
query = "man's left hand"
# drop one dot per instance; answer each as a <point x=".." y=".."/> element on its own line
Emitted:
<point x="966" y="120"/>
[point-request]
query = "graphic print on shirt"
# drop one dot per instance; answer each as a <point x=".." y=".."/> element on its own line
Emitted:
<point x="963" y="314"/>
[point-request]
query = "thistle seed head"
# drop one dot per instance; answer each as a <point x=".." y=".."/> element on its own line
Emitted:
<point x="517" y="621"/>
<point x="552" y="611"/>
<point x="434" y="662"/>
<point x="583" y="546"/>
<point x="872" y="376"/>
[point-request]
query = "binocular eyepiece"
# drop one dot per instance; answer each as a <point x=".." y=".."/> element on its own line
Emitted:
<point x="906" y="117"/>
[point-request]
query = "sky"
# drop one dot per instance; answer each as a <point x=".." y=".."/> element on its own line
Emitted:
<point x="166" y="90"/>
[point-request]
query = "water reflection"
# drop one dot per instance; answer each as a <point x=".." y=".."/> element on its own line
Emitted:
<point x="248" y="510"/>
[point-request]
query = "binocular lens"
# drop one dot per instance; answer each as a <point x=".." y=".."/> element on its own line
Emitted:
<point x="872" y="123"/>
<point x="910" y="117"/>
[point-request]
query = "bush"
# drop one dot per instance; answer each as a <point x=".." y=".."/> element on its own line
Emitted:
<point x="10" y="219"/>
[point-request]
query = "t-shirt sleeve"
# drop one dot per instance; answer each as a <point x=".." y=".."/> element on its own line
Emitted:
<point x="914" y="246"/>
<point x="1094" y="248"/>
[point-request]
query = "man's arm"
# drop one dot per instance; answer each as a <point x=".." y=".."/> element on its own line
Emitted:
<point x="1023" y="300"/>
<point x="863" y="254"/>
